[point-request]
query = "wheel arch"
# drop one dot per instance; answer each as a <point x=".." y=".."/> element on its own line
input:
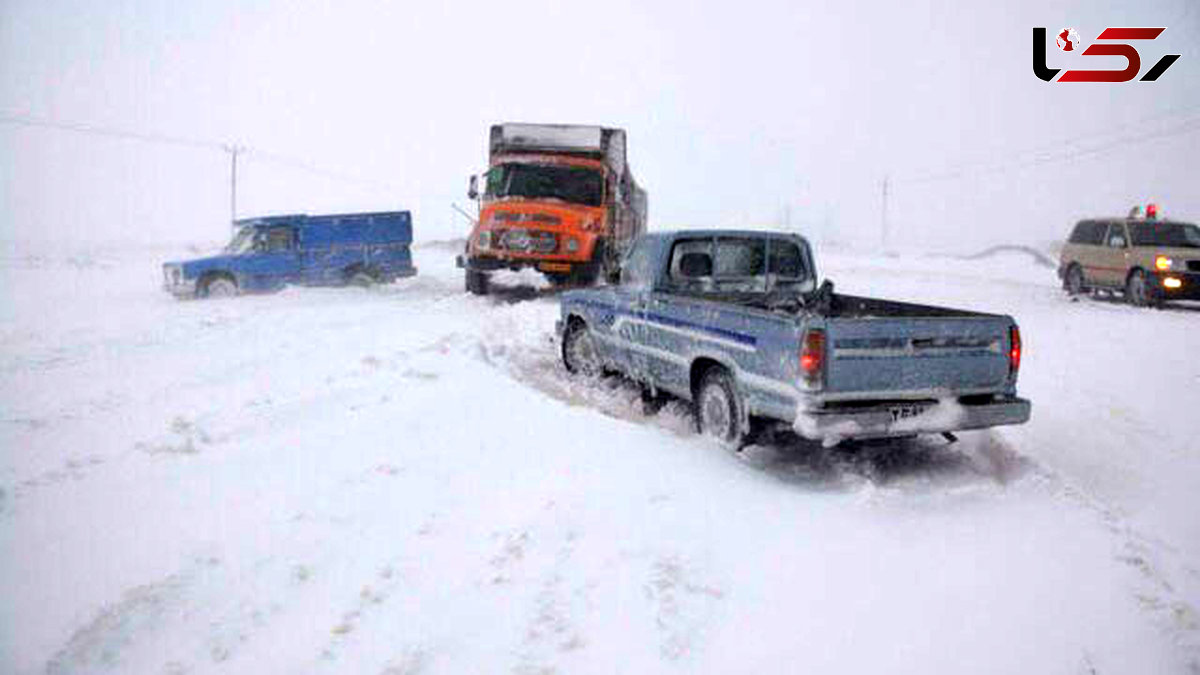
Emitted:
<point x="209" y="276"/>
<point x="700" y="367"/>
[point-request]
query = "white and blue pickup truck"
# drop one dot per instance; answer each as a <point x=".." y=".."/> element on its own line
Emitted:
<point x="736" y="323"/>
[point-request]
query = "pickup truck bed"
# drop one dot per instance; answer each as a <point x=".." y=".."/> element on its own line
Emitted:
<point x="834" y="366"/>
<point x="852" y="306"/>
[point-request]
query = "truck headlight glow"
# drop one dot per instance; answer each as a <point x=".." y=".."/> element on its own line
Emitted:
<point x="1172" y="282"/>
<point x="1162" y="262"/>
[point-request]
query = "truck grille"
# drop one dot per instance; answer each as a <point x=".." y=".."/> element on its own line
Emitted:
<point x="529" y="241"/>
<point x="514" y="217"/>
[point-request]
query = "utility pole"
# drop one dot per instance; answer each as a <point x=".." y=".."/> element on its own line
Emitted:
<point x="883" y="219"/>
<point x="233" y="151"/>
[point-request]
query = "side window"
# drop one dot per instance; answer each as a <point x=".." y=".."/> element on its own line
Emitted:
<point x="279" y="239"/>
<point x="1116" y="236"/>
<point x="691" y="264"/>
<point x="1090" y="233"/>
<point x="1080" y="235"/>
<point x="636" y="269"/>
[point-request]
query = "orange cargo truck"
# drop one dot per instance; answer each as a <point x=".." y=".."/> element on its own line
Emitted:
<point x="556" y="197"/>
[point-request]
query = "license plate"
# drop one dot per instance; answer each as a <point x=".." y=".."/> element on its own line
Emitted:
<point x="901" y="412"/>
<point x="554" y="267"/>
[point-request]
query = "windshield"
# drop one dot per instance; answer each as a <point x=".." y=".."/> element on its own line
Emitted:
<point x="1175" y="235"/>
<point x="545" y="181"/>
<point x="242" y="242"/>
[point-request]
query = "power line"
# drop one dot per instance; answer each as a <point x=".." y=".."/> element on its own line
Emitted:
<point x="1046" y="155"/>
<point x="180" y="141"/>
<point x="96" y="130"/>
<point x="284" y="160"/>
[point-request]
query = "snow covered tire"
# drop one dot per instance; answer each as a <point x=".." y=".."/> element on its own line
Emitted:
<point x="718" y="408"/>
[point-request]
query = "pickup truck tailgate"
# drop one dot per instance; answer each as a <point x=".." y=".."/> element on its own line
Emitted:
<point x="916" y="357"/>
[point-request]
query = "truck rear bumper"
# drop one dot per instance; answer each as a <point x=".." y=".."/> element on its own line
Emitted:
<point x="902" y="419"/>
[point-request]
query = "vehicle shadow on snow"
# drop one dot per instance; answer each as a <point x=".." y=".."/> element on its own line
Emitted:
<point x="926" y="462"/>
<point x="508" y="294"/>
<point x="1116" y="299"/>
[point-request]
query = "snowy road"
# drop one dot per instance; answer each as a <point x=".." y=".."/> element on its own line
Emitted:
<point x="403" y="480"/>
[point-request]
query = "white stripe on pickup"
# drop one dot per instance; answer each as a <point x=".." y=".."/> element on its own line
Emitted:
<point x="694" y="334"/>
<point x="755" y="381"/>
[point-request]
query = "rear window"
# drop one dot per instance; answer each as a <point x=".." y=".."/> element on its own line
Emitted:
<point x="1089" y="232"/>
<point x="1174" y="235"/>
<point x="786" y="260"/>
<point x="739" y="257"/>
<point x="737" y="264"/>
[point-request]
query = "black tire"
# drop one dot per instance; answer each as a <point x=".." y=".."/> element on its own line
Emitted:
<point x="559" y="278"/>
<point x="476" y="282"/>
<point x="219" y="286"/>
<point x="361" y="277"/>
<point x="718" y="408"/>
<point x="585" y="275"/>
<point x="1073" y="280"/>
<point x="579" y="351"/>
<point x="1137" y="291"/>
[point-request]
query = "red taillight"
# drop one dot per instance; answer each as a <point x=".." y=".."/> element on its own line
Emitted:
<point x="1014" y="350"/>
<point x="812" y="357"/>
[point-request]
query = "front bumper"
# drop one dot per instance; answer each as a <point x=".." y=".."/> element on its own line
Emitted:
<point x="181" y="289"/>
<point x="489" y="263"/>
<point x="897" y="419"/>
<point x="1188" y="289"/>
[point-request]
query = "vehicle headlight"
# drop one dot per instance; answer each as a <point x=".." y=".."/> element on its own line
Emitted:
<point x="1163" y="263"/>
<point x="572" y="244"/>
<point x="485" y="239"/>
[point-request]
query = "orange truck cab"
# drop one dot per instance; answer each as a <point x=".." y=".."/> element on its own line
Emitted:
<point x="556" y="197"/>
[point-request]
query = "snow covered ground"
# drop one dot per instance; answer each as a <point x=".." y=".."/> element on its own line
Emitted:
<point x="403" y="480"/>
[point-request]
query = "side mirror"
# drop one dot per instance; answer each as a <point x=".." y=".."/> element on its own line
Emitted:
<point x="473" y="188"/>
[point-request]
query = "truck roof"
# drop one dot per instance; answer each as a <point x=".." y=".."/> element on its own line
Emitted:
<point x="756" y="234"/>
<point x="299" y="218"/>
<point x="580" y="140"/>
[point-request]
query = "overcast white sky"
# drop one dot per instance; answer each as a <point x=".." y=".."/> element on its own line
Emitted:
<point x="746" y="113"/>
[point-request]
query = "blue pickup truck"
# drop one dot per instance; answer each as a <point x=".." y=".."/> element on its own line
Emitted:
<point x="268" y="253"/>
<point x="736" y="323"/>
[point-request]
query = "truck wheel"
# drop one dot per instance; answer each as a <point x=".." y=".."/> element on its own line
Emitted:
<point x="1073" y="281"/>
<point x="1136" y="291"/>
<point x="362" y="279"/>
<point x="558" y="278"/>
<point x="476" y="282"/>
<point x="579" y="351"/>
<point x="718" y="408"/>
<point x="220" y="287"/>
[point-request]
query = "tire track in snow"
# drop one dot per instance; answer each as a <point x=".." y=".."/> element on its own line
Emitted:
<point x="923" y="465"/>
